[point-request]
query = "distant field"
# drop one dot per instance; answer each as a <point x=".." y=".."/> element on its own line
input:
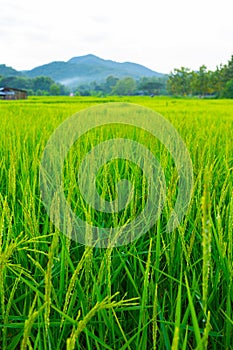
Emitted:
<point x="162" y="291"/>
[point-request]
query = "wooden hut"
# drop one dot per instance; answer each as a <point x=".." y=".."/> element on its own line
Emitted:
<point x="8" y="93"/>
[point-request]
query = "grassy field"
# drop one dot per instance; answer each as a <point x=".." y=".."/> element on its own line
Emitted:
<point x="162" y="291"/>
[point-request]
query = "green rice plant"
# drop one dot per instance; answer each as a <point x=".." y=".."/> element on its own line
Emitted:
<point x="58" y="294"/>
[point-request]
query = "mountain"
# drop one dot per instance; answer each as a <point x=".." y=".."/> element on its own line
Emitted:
<point x="8" y="71"/>
<point x="85" y="69"/>
<point x="88" y="68"/>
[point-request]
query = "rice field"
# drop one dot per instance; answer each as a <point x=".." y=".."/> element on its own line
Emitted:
<point x="161" y="291"/>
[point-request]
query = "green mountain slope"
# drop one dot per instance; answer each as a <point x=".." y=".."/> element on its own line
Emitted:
<point x="84" y="69"/>
<point x="8" y="71"/>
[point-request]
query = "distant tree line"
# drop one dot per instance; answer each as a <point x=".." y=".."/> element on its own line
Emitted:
<point x="39" y="86"/>
<point x="202" y="83"/>
<point x="181" y="82"/>
<point x="45" y="86"/>
<point x="123" y="87"/>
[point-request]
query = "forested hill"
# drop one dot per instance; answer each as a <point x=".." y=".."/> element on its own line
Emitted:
<point x="6" y="71"/>
<point x="85" y="69"/>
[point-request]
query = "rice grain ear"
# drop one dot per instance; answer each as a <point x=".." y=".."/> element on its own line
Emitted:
<point x="74" y="278"/>
<point x="206" y="238"/>
<point x="32" y="316"/>
<point x="106" y="303"/>
<point x="49" y="281"/>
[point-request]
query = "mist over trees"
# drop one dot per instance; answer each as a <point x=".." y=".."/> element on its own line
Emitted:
<point x="124" y="87"/>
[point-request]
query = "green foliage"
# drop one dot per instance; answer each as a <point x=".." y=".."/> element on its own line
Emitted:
<point x="36" y="86"/>
<point x="227" y="70"/>
<point x="201" y="82"/>
<point x="83" y="90"/>
<point x="163" y="291"/>
<point x="124" y="87"/>
<point x="42" y="83"/>
<point x="179" y="82"/>
<point x="228" y="90"/>
<point x="183" y="82"/>
<point x="110" y="83"/>
<point x="152" y="86"/>
<point x="54" y="90"/>
<point x="16" y="82"/>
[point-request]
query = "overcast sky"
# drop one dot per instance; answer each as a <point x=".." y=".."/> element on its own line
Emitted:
<point x="161" y="34"/>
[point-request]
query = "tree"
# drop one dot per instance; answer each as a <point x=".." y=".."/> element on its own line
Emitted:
<point x="54" y="89"/>
<point x="35" y="86"/>
<point x="124" y="87"/>
<point x="228" y="90"/>
<point x="83" y="90"/>
<point x="17" y="82"/>
<point x="109" y="84"/>
<point x="151" y="86"/>
<point x="216" y="83"/>
<point x="179" y="82"/>
<point x="96" y="88"/>
<point x="227" y="70"/>
<point x="203" y="79"/>
<point x="42" y="83"/>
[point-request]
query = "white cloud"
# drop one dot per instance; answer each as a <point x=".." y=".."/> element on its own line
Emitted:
<point x="159" y="34"/>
